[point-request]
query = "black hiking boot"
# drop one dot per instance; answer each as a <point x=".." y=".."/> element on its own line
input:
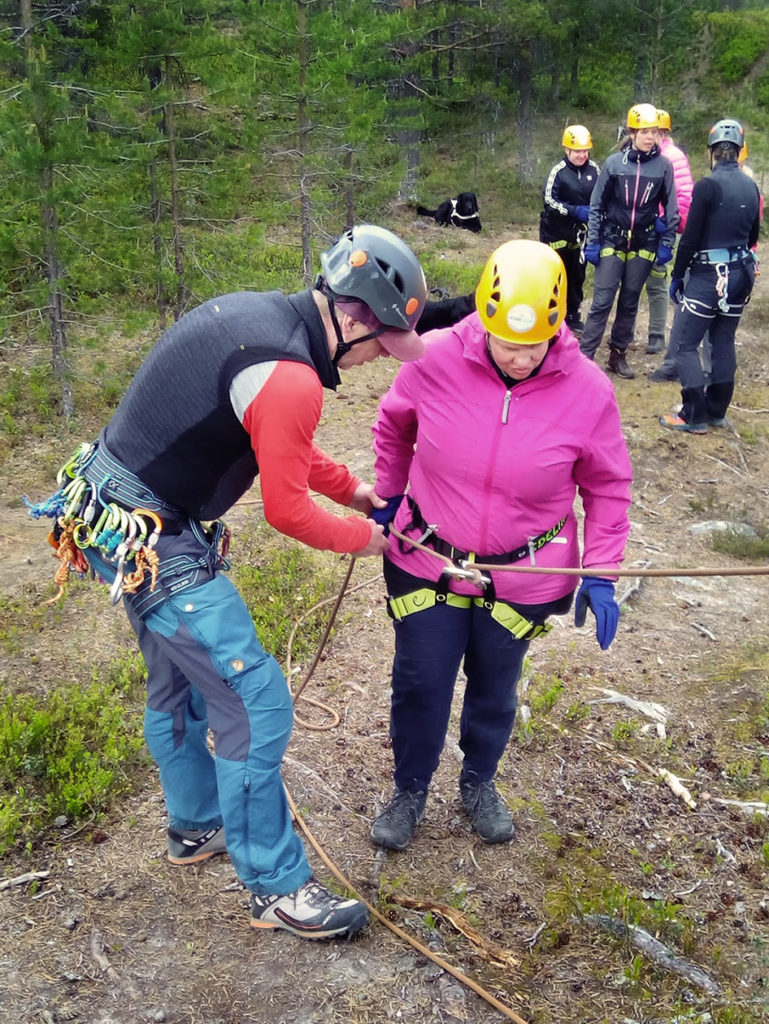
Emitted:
<point x="395" y="826"/>
<point x="488" y="812"/>
<point x="655" y="344"/>
<point x="618" y="364"/>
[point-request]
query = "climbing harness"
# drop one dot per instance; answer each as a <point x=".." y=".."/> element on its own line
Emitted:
<point x="429" y="536"/>
<point x="108" y="522"/>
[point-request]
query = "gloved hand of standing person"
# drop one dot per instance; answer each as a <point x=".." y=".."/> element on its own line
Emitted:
<point x="660" y="226"/>
<point x="664" y="255"/>
<point x="593" y="253"/>
<point x="677" y="289"/>
<point x="582" y="213"/>
<point x="384" y="516"/>
<point x="597" y="594"/>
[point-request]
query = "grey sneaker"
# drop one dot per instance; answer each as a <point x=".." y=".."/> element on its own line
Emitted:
<point x="312" y="912"/>
<point x="192" y="845"/>
<point x="656" y="343"/>
<point x="489" y="815"/>
<point x="395" y="826"/>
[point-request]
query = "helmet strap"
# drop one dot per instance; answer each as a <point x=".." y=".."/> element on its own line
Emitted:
<point x="342" y="346"/>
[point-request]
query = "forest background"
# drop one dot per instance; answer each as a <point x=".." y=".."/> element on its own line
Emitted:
<point x="154" y="154"/>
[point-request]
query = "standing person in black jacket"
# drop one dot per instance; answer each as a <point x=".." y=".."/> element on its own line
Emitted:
<point x="563" y="221"/>
<point x="716" y="250"/>
<point x="621" y="241"/>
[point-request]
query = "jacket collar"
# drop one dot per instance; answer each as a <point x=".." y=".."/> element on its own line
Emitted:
<point x="560" y="358"/>
<point x="304" y="304"/>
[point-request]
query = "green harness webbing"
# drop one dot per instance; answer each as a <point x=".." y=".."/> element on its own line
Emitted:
<point x="645" y="254"/>
<point x="427" y="597"/>
<point x="563" y="244"/>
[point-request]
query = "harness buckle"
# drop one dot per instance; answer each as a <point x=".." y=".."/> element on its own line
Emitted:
<point x="466" y="571"/>
<point x="427" y="532"/>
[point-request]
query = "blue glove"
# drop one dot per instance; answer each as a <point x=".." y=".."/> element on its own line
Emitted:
<point x="384" y="516"/>
<point x="660" y="226"/>
<point x="582" y="213"/>
<point x="593" y="253"/>
<point x="598" y="595"/>
<point x="676" y="290"/>
<point x="664" y="255"/>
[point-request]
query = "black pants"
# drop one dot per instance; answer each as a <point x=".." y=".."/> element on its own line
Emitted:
<point x="700" y="313"/>
<point x="626" y="272"/>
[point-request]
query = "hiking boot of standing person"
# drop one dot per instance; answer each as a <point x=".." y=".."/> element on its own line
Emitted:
<point x="488" y="812"/>
<point x="394" y="827"/>
<point x="618" y="364"/>
<point x="193" y="845"/>
<point x="655" y="344"/>
<point x="664" y="374"/>
<point x="311" y="912"/>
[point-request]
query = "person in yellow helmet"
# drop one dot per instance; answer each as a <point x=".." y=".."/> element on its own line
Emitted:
<point x="563" y="221"/>
<point x="657" y="282"/>
<point x="622" y="242"/>
<point x="528" y="421"/>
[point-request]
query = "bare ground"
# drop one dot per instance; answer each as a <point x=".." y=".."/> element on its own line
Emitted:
<point x="115" y="935"/>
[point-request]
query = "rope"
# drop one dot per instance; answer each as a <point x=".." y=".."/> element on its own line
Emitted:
<point x="475" y="568"/>
<point x="443" y="964"/>
<point x="298" y="694"/>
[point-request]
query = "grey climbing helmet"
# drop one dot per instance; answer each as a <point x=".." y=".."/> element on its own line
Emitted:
<point x="378" y="268"/>
<point x="727" y="130"/>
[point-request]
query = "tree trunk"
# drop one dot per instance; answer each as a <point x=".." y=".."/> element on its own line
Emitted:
<point x="182" y="294"/>
<point x="303" y="130"/>
<point x="156" y="208"/>
<point x="49" y="220"/>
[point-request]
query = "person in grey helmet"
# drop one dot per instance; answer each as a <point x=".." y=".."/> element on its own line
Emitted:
<point x="232" y="390"/>
<point x="713" y="276"/>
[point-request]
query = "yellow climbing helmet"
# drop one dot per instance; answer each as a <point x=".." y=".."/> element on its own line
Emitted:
<point x="576" y="136"/>
<point x="663" y="120"/>
<point x="642" y="115"/>
<point x="521" y="297"/>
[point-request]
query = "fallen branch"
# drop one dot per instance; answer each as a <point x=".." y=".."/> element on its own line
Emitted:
<point x="649" y="708"/>
<point x="655" y="950"/>
<point x="97" y="952"/>
<point x="751" y="806"/>
<point x="31" y="876"/>
<point x="496" y="954"/>
<point x="678" y="787"/>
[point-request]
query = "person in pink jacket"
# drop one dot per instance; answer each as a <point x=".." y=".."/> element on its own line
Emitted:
<point x="657" y="281"/>
<point x="492" y="434"/>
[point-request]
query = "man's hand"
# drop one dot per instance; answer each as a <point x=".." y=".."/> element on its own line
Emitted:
<point x="378" y="543"/>
<point x="365" y="499"/>
<point x="583" y="214"/>
<point x="676" y="289"/>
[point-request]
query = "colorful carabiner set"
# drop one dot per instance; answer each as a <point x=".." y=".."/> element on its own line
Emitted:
<point x="126" y="540"/>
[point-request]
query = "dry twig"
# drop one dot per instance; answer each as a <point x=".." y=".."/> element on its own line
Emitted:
<point x="656" y="951"/>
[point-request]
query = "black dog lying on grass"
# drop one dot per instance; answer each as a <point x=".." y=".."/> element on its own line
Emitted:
<point x="461" y="212"/>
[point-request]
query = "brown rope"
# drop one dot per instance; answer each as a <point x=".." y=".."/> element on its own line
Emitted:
<point x="475" y="568"/>
<point x="443" y="964"/>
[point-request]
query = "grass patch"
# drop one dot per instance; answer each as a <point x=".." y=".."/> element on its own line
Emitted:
<point x="70" y="753"/>
<point x="740" y="545"/>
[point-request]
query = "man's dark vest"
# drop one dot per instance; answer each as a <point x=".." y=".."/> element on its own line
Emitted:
<point x="175" y="427"/>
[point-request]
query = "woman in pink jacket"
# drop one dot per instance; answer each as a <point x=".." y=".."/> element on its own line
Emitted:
<point x="492" y="432"/>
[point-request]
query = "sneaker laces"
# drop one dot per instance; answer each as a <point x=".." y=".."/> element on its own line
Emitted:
<point x="485" y="797"/>
<point x="404" y="807"/>
<point x="317" y="895"/>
